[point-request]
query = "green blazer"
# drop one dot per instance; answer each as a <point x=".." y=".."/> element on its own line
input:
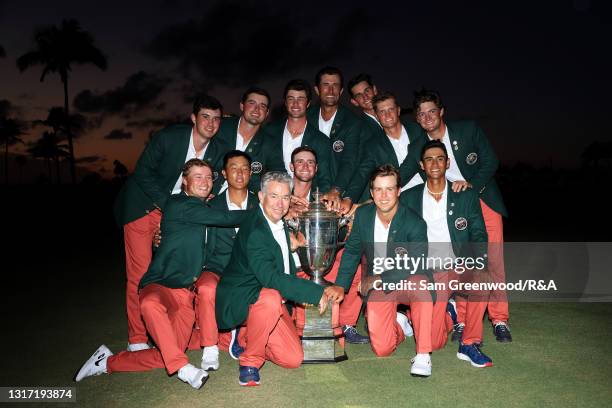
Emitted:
<point x="256" y="263"/>
<point x="407" y="233"/>
<point x="228" y="135"/>
<point x="157" y="170"/>
<point x="379" y="151"/>
<point x="181" y="254"/>
<point x="464" y="217"/>
<point x="221" y="239"/>
<point x="345" y="137"/>
<point x="477" y="161"/>
<point x="321" y="144"/>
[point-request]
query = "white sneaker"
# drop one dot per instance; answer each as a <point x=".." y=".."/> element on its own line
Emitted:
<point x="421" y="365"/>
<point x="138" y="346"/>
<point x="210" y="358"/>
<point x="96" y="364"/>
<point x="402" y="319"/>
<point x="194" y="376"/>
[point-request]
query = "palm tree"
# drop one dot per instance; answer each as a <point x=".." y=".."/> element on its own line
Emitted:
<point x="10" y="130"/>
<point x="56" y="48"/>
<point x="48" y="148"/>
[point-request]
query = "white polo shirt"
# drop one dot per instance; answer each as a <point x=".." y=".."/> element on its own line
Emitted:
<point x="191" y="154"/>
<point x="401" y="146"/>
<point x="452" y="173"/>
<point x="325" y="126"/>
<point x="289" y="145"/>
<point x="435" y="215"/>
<point x="278" y="231"/>
<point x="240" y="145"/>
<point x="381" y="236"/>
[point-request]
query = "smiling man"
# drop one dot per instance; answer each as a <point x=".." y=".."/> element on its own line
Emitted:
<point x="142" y="200"/>
<point x="261" y="274"/>
<point x="166" y="291"/>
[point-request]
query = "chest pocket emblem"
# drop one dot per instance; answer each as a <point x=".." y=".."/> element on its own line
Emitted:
<point x="338" y="146"/>
<point x="471" y="158"/>
<point x="461" y="223"/>
<point x="256" y="167"/>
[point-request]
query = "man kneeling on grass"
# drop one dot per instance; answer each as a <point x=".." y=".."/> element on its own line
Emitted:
<point x="167" y="289"/>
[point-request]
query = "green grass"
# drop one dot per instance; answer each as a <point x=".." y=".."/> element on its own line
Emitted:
<point x="561" y="356"/>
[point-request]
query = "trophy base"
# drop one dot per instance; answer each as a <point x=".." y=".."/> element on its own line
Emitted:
<point x="319" y="343"/>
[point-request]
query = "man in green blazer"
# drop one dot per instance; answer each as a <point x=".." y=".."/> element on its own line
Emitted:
<point x="167" y="289"/>
<point x="342" y="127"/>
<point x="473" y="164"/>
<point x="257" y="280"/>
<point x="284" y="136"/>
<point x="245" y="133"/>
<point x="399" y="144"/>
<point x="219" y="245"/>
<point x="457" y="235"/>
<point x="381" y="231"/>
<point x="142" y="200"/>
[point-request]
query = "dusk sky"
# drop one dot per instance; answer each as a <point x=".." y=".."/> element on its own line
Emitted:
<point x="535" y="75"/>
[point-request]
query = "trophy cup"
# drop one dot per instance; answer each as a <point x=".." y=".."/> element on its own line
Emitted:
<point x="320" y="228"/>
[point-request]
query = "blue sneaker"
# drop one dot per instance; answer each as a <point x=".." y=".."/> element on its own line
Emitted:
<point x="451" y="309"/>
<point x="235" y="349"/>
<point x="249" y="376"/>
<point x="352" y="336"/>
<point x="473" y="354"/>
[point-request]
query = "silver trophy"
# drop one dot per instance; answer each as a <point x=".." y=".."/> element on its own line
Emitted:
<point x="320" y="228"/>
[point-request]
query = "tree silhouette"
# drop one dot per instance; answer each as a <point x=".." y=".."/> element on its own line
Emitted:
<point x="56" y="49"/>
<point x="10" y="130"/>
<point x="49" y="148"/>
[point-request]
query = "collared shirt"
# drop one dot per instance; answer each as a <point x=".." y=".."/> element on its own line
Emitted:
<point x="290" y="143"/>
<point x="381" y="236"/>
<point x="191" y="154"/>
<point x="401" y="146"/>
<point x="325" y="126"/>
<point x="373" y="117"/>
<point x="233" y="207"/>
<point x="240" y="145"/>
<point x="278" y="231"/>
<point x="453" y="173"/>
<point x="438" y="235"/>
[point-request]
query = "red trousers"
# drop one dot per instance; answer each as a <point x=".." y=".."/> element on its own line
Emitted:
<point x="168" y="315"/>
<point x="138" y="237"/>
<point x="473" y="311"/>
<point x="498" y="304"/>
<point x="270" y="334"/>
<point x="351" y="305"/>
<point x="205" y="332"/>
<point x="385" y="333"/>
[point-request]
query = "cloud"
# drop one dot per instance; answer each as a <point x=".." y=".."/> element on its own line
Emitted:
<point x="89" y="159"/>
<point x="139" y="92"/>
<point x="118" y="134"/>
<point x="240" y="43"/>
<point x="157" y="122"/>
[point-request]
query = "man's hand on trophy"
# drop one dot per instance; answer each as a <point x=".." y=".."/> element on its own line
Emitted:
<point x="334" y="293"/>
<point x="323" y="303"/>
<point x="297" y="240"/>
<point x="345" y="206"/>
<point x="332" y="199"/>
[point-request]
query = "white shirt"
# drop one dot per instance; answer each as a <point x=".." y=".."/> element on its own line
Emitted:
<point x="240" y="145"/>
<point x="381" y="236"/>
<point x="233" y="207"/>
<point x="453" y="173"/>
<point x="325" y="126"/>
<point x="401" y="146"/>
<point x="289" y="145"/>
<point x="278" y="231"/>
<point x="191" y="154"/>
<point x="434" y="214"/>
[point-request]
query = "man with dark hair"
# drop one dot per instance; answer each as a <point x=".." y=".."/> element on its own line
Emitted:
<point x="304" y="168"/>
<point x="399" y="144"/>
<point x="219" y="244"/>
<point x="259" y="276"/>
<point x="341" y="126"/>
<point x="244" y="132"/>
<point x="455" y="231"/>
<point x="141" y="201"/>
<point x="382" y="230"/>
<point x="284" y="136"/>
<point x="473" y="164"/>
<point x="166" y="291"/>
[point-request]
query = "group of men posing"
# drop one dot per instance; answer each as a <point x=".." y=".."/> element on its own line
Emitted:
<point x="225" y="274"/>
